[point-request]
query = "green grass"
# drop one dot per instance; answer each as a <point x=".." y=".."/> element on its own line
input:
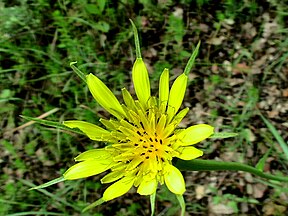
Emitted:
<point x="39" y="39"/>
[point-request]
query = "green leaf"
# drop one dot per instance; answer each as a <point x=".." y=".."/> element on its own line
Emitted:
<point x="152" y="203"/>
<point x="192" y="60"/>
<point x="223" y="135"/>
<point x="92" y="9"/>
<point x="277" y="136"/>
<point x="101" y="5"/>
<point x="47" y="184"/>
<point x="94" y="204"/>
<point x="261" y="163"/>
<point x="52" y="124"/>
<point x="102" y="26"/>
<point x="96" y="8"/>
<point x="136" y="39"/>
<point x="77" y="71"/>
<point x="182" y="203"/>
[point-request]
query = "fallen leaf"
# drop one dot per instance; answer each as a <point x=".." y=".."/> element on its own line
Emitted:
<point x="240" y="68"/>
<point x="200" y="191"/>
<point x="221" y="209"/>
<point x="285" y="92"/>
<point x="216" y="41"/>
<point x="259" y="190"/>
<point x="273" y="209"/>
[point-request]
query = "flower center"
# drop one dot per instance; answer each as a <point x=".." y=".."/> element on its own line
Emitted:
<point x="152" y="147"/>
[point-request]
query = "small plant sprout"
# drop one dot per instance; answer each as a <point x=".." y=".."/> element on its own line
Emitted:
<point x="143" y="138"/>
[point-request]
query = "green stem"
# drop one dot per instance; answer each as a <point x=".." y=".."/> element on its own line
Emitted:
<point x="136" y="38"/>
<point x="211" y="165"/>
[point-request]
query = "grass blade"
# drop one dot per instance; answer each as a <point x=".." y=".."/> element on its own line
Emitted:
<point x="52" y="124"/>
<point x="276" y="135"/>
<point x="261" y="163"/>
<point x="36" y="213"/>
<point x="55" y="197"/>
<point x="78" y="72"/>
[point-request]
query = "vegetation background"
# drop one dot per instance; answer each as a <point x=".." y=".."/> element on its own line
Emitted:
<point x="241" y="71"/>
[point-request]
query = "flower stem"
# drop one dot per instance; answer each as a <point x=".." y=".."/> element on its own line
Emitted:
<point x="211" y="165"/>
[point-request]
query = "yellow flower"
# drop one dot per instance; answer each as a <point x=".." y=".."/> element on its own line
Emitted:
<point x="142" y="138"/>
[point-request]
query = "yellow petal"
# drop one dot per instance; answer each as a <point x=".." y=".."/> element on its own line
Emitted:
<point x="189" y="153"/>
<point x="161" y="124"/>
<point x="104" y="96"/>
<point x="93" y="154"/>
<point x="147" y="187"/>
<point x="94" y="132"/>
<point x="195" y="134"/>
<point x="176" y="95"/>
<point x="164" y="87"/>
<point x="113" y="176"/>
<point x="141" y="81"/>
<point x="174" y="180"/>
<point x="87" y="168"/>
<point x="118" y="188"/>
<point x="180" y="115"/>
<point x="128" y="99"/>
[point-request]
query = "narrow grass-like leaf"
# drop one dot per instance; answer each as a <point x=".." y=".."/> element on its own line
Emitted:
<point x="152" y="203"/>
<point x="212" y="165"/>
<point x="52" y="124"/>
<point x="53" y="196"/>
<point x="192" y="60"/>
<point x="182" y="203"/>
<point x="6" y="202"/>
<point x="261" y="163"/>
<point x="94" y="204"/>
<point x="47" y="184"/>
<point x="36" y="213"/>
<point x="277" y="136"/>
<point x="78" y="72"/>
<point x="223" y="135"/>
<point x="136" y="39"/>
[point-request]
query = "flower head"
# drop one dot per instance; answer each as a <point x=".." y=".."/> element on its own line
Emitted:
<point x="142" y="138"/>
